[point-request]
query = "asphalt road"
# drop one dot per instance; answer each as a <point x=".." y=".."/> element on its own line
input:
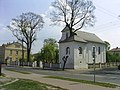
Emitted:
<point x="110" y="75"/>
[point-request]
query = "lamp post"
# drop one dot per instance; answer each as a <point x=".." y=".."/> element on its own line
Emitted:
<point x="94" y="61"/>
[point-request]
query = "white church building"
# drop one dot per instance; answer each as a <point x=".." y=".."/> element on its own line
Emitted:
<point x="79" y="49"/>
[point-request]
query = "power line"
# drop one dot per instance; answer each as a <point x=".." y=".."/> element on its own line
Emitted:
<point x="107" y="11"/>
<point x="106" y="29"/>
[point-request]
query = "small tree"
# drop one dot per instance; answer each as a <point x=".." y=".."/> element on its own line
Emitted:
<point x="73" y="13"/>
<point x="49" y="51"/>
<point x="108" y="54"/>
<point x="25" y="28"/>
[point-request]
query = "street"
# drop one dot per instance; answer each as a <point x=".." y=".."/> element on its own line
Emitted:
<point x="110" y="75"/>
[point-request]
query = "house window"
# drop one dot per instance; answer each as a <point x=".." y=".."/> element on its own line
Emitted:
<point x="98" y="50"/>
<point x="80" y="50"/>
<point x="67" y="50"/>
<point x="10" y="59"/>
<point x="93" y="51"/>
<point x="17" y="46"/>
<point x="10" y="52"/>
<point x="16" y="59"/>
<point x="16" y="52"/>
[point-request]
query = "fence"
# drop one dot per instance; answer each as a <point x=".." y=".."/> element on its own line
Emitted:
<point x="51" y="65"/>
<point x="104" y="65"/>
<point x="57" y="65"/>
<point x="17" y="63"/>
<point x="34" y="64"/>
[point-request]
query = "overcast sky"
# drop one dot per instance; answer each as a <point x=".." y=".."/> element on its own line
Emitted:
<point x="107" y="26"/>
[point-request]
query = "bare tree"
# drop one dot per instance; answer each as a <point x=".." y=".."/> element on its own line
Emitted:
<point x="73" y="13"/>
<point x="25" y="28"/>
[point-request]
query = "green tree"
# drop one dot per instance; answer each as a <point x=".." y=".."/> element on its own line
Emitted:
<point x="73" y="13"/>
<point x="108" y="54"/>
<point x="107" y="44"/>
<point x="25" y="28"/>
<point x="49" y="52"/>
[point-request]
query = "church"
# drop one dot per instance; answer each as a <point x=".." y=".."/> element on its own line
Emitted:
<point x="79" y="49"/>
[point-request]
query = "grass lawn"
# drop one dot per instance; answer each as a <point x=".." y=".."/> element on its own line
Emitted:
<point x="85" y="81"/>
<point x="24" y="84"/>
<point x="4" y="80"/>
<point x="3" y="75"/>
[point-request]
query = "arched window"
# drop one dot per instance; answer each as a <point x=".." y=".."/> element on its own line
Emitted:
<point x="80" y="50"/>
<point x="67" y="50"/>
<point x="98" y="50"/>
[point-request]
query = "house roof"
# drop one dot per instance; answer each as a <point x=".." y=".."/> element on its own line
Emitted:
<point x="15" y="43"/>
<point x="88" y="37"/>
<point x="65" y="29"/>
<point x="84" y="37"/>
<point x="115" y="50"/>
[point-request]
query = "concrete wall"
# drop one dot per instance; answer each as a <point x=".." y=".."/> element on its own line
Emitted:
<point x="77" y="60"/>
<point x="80" y="59"/>
<point x="62" y="52"/>
<point x="64" y="35"/>
<point x="100" y="58"/>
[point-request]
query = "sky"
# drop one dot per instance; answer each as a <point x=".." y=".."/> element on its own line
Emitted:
<point x="107" y="25"/>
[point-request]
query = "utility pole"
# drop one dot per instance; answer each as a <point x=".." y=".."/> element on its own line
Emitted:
<point x="94" y="61"/>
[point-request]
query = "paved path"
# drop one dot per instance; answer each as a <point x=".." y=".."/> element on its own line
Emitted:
<point x="108" y="75"/>
<point x="61" y="83"/>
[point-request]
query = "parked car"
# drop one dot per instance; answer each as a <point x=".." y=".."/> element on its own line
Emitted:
<point x="118" y="67"/>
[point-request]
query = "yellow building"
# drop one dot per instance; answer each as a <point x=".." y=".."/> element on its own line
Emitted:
<point x="11" y="52"/>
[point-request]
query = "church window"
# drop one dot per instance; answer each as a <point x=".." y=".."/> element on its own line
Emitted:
<point x="80" y="50"/>
<point x="67" y="50"/>
<point x="98" y="50"/>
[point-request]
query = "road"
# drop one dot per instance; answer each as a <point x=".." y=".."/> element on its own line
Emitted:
<point x="110" y="75"/>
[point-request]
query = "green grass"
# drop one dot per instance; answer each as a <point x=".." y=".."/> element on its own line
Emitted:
<point x="24" y="84"/>
<point x="5" y="80"/>
<point x="84" y="81"/>
<point x="3" y="75"/>
<point x="23" y="72"/>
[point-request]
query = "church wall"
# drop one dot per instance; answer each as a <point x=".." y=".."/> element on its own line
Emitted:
<point x="62" y="53"/>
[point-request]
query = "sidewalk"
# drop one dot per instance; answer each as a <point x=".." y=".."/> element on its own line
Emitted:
<point x="61" y="83"/>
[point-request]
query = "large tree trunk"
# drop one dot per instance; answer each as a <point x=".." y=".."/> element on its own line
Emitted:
<point x="64" y="65"/>
<point x="65" y="60"/>
<point x="28" y="55"/>
<point x="72" y="33"/>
